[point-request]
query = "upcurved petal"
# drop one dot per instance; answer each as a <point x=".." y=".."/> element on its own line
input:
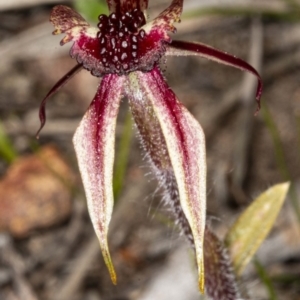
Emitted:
<point x="54" y="89"/>
<point x="68" y="21"/>
<point x="86" y="48"/>
<point x="94" y="143"/>
<point x="182" y="48"/>
<point x="165" y="21"/>
<point x="186" y="149"/>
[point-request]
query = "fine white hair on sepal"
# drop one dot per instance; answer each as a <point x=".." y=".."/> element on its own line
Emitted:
<point x="221" y="283"/>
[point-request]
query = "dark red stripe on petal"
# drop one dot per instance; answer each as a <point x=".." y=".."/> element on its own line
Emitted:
<point x="55" y="88"/>
<point x="186" y="149"/>
<point x="187" y="48"/>
<point x="94" y="143"/>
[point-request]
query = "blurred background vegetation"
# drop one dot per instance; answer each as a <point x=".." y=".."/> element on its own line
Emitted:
<point x="47" y="245"/>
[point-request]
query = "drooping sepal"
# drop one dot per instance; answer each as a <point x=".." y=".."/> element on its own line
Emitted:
<point x="182" y="48"/>
<point x="94" y="143"/>
<point x="186" y="149"/>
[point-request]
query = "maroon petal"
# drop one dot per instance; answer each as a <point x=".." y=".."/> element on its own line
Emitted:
<point x="220" y="281"/>
<point x="54" y="89"/>
<point x="86" y="50"/>
<point x="186" y="149"/>
<point x="180" y="48"/>
<point x="94" y="143"/>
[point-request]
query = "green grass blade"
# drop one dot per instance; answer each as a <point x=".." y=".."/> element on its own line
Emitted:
<point x="7" y="151"/>
<point x="91" y="9"/>
<point x="122" y="155"/>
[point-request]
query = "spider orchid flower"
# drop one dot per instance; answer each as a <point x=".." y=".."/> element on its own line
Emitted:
<point x="125" y="51"/>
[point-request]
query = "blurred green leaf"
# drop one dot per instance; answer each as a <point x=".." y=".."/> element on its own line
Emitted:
<point x="254" y="224"/>
<point x="7" y="152"/>
<point x="91" y="9"/>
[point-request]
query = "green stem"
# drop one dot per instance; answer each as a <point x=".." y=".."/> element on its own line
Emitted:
<point x="7" y="151"/>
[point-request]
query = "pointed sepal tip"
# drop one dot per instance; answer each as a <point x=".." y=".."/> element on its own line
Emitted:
<point x="108" y="263"/>
<point x="107" y="260"/>
<point x="201" y="282"/>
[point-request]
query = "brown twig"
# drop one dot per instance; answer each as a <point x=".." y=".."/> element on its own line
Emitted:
<point x="23" y="289"/>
